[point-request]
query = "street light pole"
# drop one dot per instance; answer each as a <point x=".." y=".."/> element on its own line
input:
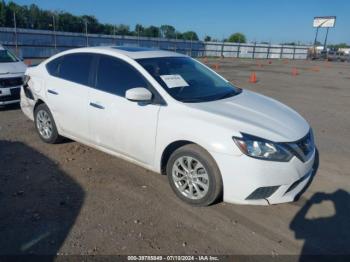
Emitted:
<point x="86" y="33"/>
<point x="114" y="34"/>
<point x="54" y="32"/>
<point x="15" y="28"/>
<point x="138" y="36"/>
<point x="175" y="41"/>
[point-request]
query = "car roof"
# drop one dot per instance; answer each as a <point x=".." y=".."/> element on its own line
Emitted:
<point x="131" y="51"/>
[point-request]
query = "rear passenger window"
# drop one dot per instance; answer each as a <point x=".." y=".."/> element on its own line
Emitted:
<point x="76" y="68"/>
<point x="116" y="76"/>
<point x="53" y="66"/>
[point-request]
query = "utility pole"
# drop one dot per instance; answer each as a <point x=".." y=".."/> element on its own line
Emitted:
<point x="191" y="45"/>
<point x="15" y="28"/>
<point x="114" y="34"/>
<point x="175" y="40"/>
<point x="54" y="32"/>
<point x="86" y="33"/>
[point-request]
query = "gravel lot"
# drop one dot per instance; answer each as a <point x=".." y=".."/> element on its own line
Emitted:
<point x="70" y="199"/>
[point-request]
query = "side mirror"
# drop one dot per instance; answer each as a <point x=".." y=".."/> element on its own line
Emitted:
<point x="138" y="94"/>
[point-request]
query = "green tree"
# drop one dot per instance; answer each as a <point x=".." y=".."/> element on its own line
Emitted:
<point x="151" y="31"/>
<point x="2" y="13"/>
<point x="36" y="18"/>
<point x="94" y="27"/>
<point x="139" y="30"/>
<point x="190" y="35"/>
<point x="340" y="45"/>
<point x="237" y="38"/>
<point x="207" y="38"/>
<point x="167" y="31"/>
<point x="123" y="30"/>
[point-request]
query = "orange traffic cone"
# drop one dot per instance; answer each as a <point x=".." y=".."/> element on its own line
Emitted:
<point x="216" y="66"/>
<point x="252" y="78"/>
<point x="295" y="71"/>
<point x="315" y="69"/>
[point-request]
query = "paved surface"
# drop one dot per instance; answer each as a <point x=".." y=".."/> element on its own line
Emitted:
<point x="71" y="199"/>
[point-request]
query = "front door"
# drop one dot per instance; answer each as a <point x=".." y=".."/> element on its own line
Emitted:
<point x="116" y="123"/>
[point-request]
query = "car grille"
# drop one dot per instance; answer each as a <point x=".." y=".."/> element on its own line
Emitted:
<point x="304" y="147"/>
<point x="10" y="82"/>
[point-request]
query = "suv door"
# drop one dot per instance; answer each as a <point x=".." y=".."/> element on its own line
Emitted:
<point x="67" y="90"/>
<point x="116" y="123"/>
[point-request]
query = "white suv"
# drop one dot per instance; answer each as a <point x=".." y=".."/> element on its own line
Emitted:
<point x="11" y="73"/>
<point x="171" y="114"/>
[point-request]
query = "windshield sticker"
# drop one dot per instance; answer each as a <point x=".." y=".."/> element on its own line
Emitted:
<point x="173" y="81"/>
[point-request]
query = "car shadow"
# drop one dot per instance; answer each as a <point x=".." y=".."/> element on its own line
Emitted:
<point x="326" y="231"/>
<point x="39" y="203"/>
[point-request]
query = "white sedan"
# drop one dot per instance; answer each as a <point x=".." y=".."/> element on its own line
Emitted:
<point x="173" y="115"/>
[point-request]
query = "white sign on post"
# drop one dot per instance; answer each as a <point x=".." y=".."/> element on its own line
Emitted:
<point x="324" y="21"/>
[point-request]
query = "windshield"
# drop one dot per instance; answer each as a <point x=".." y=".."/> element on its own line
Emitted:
<point x="187" y="80"/>
<point x="7" y="57"/>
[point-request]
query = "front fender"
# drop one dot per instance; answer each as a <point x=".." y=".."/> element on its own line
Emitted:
<point x="184" y="125"/>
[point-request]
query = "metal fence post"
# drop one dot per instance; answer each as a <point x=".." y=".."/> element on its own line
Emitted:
<point x="238" y="49"/>
<point x="254" y="50"/>
<point x="222" y="49"/>
<point x="294" y="52"/>
<point x="86" y="34"/>
<point x="191" y="46"/>
<point x="175" y="41"/>
<point x="281" y="53"/>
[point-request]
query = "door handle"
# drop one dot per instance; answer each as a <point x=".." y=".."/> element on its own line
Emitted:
<point x="96" y="105"/>
<point x="52" y="92"/>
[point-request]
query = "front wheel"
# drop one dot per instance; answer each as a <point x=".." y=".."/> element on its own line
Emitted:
<point x="194" y="176"/>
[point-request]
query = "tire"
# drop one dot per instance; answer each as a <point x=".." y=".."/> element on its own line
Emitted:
<point x="45" y="125"/>
<point x="205" y="178"/>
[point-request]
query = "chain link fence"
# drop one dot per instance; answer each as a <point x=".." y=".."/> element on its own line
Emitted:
<point x="39" y="44"/>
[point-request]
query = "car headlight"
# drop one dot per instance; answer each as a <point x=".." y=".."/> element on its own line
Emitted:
<point x="262" y="149"/>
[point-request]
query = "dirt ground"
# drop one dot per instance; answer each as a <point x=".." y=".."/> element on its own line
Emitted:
<point x="70" y="199"/>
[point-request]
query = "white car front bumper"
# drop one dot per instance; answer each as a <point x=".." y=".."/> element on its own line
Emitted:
<point x="258" y="182"/>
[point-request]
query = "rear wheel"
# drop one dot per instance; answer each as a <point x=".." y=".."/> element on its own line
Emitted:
<point x="194" y="176"/>
<point x="45" y="125"/>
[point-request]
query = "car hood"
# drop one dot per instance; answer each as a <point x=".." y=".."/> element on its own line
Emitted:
<point x="257" y="115"/>
<point x="12" y="68"/>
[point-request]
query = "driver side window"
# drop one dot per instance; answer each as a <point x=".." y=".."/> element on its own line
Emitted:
<point x="116" y="76"/>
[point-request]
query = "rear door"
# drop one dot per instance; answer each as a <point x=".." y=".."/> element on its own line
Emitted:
<point x="116" y="123"/>
<point x="67" y="90"/>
